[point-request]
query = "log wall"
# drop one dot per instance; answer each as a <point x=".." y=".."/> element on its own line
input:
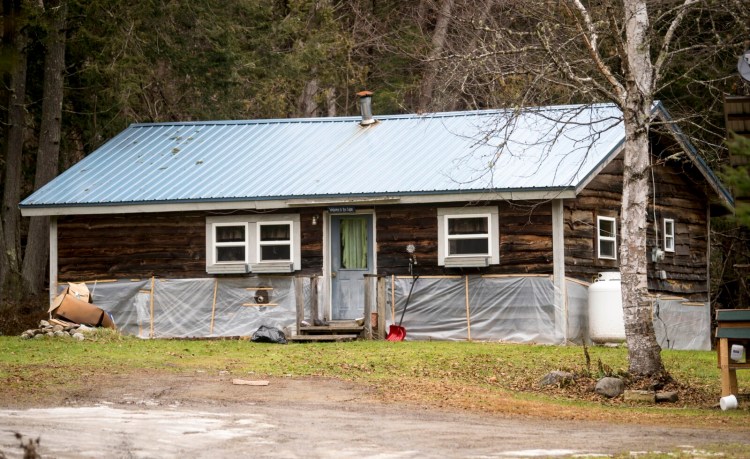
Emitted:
<point x="677" y="196"/>
<point x="525" y="234"/>
<point x="168" y="245"/>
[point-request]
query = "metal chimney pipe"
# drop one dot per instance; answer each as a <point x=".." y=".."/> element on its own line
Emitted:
<point x="365" y="106"/>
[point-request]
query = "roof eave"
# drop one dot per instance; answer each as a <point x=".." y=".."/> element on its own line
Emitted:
<point x="723" y="194"/>
<point x="436" y="197"/>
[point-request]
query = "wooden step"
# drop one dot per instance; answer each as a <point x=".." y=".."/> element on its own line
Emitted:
<point x="330" y="329"/>
<point x="323" y="338"/>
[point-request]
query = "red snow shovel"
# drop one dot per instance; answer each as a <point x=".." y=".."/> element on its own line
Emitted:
<point x="397" y="332"/>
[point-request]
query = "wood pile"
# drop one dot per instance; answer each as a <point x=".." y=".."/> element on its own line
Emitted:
<point x="56" y="328"/>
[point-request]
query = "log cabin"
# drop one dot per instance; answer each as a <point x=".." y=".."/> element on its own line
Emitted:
<point x="507" y="216"/>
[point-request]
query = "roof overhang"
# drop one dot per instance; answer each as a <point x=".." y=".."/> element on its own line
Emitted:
<point x="298" y="202"/>
<point x="723" y="194"/>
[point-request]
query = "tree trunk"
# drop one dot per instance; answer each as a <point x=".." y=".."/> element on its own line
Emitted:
<point x="643" y="351"/>
<point x="331" y="101"/>
<point x="37" y="246"/>
<point x="308" y="107"/>
<point x="438" y="43"/>
<point x="11" y="216"/>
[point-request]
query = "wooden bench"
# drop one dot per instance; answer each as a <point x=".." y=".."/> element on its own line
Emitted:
<point x="732" y="327"/>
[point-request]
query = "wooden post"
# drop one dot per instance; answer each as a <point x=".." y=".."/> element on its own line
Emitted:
<point x="558" y="266"/>
<point x="213" y="305"/>
<point x="52" y="259"/>
<point x="393" y="298"/>
<point x="299" y="299"/>
<point x="381" y="307"/>
<point x="368" y="305"/>
<point x="151" y="334"/>
<point x="314" y="298"/>
<point x="728" y="374"/>
<point x="468" y="316"/>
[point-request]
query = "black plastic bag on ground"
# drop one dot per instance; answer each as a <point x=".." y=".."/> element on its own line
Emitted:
<point x="268" y="335"/>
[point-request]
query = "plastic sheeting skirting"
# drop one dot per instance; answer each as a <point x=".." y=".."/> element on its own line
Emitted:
<point x="518" y="309"/>
<point x="184" y="308"/>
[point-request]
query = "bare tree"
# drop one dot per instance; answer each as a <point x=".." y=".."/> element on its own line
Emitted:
<point x="14" y="41"/>
<point x="624" y="52"/>
<point x="437" y="45"/>
<point x="37" y="246"/>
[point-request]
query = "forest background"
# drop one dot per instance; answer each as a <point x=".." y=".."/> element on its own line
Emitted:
<point x="76" y="72"/>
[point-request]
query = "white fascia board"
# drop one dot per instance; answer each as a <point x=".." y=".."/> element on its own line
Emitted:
<point x="302" y="202"/>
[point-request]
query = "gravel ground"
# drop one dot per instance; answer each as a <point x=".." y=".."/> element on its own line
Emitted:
<point x="207" y="416"/>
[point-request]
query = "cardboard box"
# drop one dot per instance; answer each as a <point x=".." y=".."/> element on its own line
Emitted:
<point x="74" y="305"/>
<point x="80" y="291"/>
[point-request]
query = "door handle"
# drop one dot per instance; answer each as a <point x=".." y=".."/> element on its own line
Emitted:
<point x="333" y="274"/>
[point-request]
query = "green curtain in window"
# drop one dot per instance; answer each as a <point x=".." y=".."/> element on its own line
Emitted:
<point x="354" y="243"/>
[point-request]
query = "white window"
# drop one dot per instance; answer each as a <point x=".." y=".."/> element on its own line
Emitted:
<point x="240" y="244"/>
<point x="668" y="235"/>
<point x="230" y="242"/>
<point x="607" y="237"/>
<point x="274" y="241"/>
<point x="468" y="236"/>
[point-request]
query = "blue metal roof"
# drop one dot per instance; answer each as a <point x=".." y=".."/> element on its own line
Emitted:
<point x="550" y="148"/>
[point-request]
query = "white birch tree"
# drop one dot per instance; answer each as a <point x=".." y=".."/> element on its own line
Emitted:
<point x="619" y="51"/>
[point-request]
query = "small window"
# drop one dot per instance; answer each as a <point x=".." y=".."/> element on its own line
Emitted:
<point x="230" y="243"/>
<point x="668" y="235"/>
<point x="607" y="231"/>
<point x="468" y="235"/>
<point x="275" y="241"/>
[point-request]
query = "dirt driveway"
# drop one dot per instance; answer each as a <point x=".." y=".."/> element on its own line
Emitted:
<point x="203" y="415"/>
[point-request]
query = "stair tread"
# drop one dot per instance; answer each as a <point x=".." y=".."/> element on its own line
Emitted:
<point x="338" y="337"/>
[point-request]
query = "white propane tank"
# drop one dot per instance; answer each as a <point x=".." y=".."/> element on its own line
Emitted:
<point x="606" y="324"/>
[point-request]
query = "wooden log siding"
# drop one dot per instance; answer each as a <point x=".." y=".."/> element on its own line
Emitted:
<point x="525" y="239"/>
<point x="164" y="245"/>
<point x="677" y="197"/>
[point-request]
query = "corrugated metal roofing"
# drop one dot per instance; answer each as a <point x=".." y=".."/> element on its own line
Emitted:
<point x="548" y="148"/>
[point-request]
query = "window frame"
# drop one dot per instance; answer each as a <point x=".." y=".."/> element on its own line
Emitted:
<point x="448" y="237"/>
<point x="669" y="235"/>
<point x="216" y="245"/>
<point x="261" y="244"/>
<point x="252" y="262"/>
<point x="601" y="239"/>
<point x="492" y="257"/>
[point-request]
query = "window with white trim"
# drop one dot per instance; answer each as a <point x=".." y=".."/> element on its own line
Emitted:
<point x="274" y="241"/>
<point x="668" y="235"/>
<point x="606" y="229"/>
<point x="230" y="242"/>
<point x="238" y="244"/>
<point x="468" y="237"/>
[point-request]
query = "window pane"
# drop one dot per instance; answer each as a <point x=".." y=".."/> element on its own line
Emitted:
<point x="275" y="252"/>
<point x="230" y="253"/>
<point x="275" y="233"/>
<point x="607" y="228"/>
<point x="230" y="234"/>
<point x="475" y="225"/>
<point x="607" y="249"/>
<point x="468" y="246"/>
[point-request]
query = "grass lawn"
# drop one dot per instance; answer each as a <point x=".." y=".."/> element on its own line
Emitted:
<point x="488" y="377"/>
